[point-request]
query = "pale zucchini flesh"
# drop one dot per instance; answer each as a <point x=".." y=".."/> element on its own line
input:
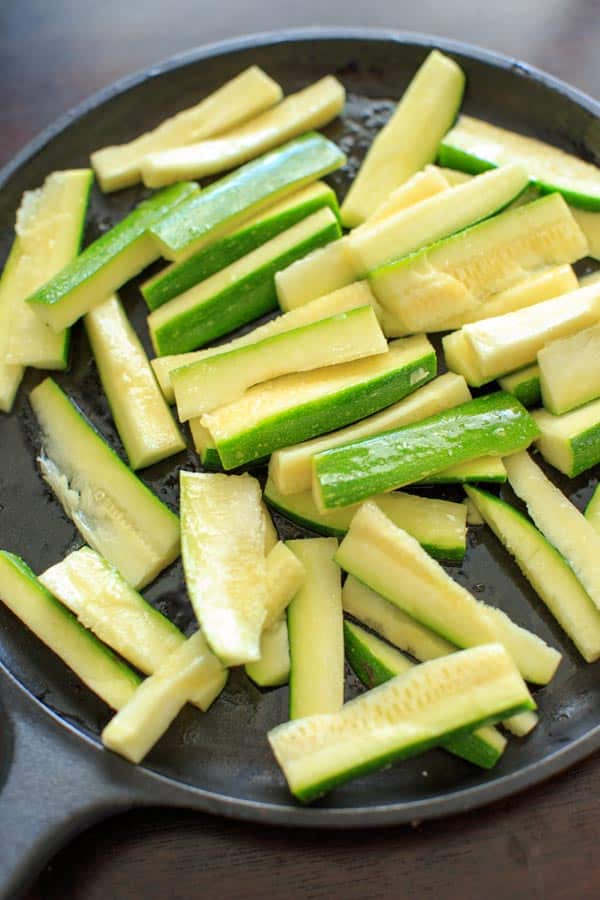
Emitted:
<point x="592" y="511"/>
<point x="10" y="375"/>
<point x="571" y="442"/>
<point x="570" y="370"/>
<point x="273" y="667"/>
<point x="524" y="385"/>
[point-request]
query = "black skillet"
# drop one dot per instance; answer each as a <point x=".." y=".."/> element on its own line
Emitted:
<point x="54" y="776"/>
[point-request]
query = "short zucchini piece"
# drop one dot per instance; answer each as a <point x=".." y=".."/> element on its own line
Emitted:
<point x="474" y="145"/>
<point x="140" y="412"/>
<point x="486" y="469"/>
<point x="391" y="562"/>
<point x="113" y="510"/>
<point x="376" y="662"/>
<point x="107" y="263"/>
<point x="571" y="442"/>
<point x="273" y="667"/>
<point x="316" y="631"/>
<point x="106" y="675"/>
<point x="410" y="139"/>
<point x="311" y="108"/>
<point x="224" y="377"/>
<point x="237" y="294"/>
<point x="570" y="371"/>
<point x="430" y="703"/>
<point x="229" y="201"/>
<point x="524" y="385"/>
<point x="491" y="424"/>
<point x="298" y="407"/>
<point x="247" y="95"/>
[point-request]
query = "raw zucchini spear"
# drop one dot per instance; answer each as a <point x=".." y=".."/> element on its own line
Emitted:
<point x="49" y="229"/>
<point x="491" y="424"/>
<point x="357" y="294"/>
<point x="316" y="631"/>
<point x="103" y="602"/>
<point x="430" y="703"/>
<point x="546" y="570"/>
<point x="113" y="510"/>
<point x="524" y="385"/>
<point x="297" y="407"/>
<point x="311" y="108"/>
<point x="559" y="520"/>
<point x="222" y="545"/>
<point x="394" y="564"/>
<point x="98" y="668"/>
<point x="139" y="725"/>
<point x="237" y="294"/>
<point x="10" y="375"/>
<point x="291" y="467"/>
<point x="224" y="377"/>
<point x="474" y="145"/>
<point x="179" y="277"/>
<point x="487" y="469"/>
<point x="571" y="442"/>
<point x="106" y="264"/>
<point x="228" y="202"/>
<point x="570" y="370"/>
<point x="460" y="358"/>
<point x="458" y="275"/>
<point x="241" y="98"/>
<point x="376" y="662"/>
<point x="410" y="139"/>
<point x="142" y="417"/>
<point x="438" y="525"/>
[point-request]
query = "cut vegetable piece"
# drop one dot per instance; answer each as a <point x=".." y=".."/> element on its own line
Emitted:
<point x="438" y="525"/>
<point x="410" y="139"/>
<point x="592" y="512"/>
<point x="227" y="202"/>
<point x="391" y="562"/>
<point x="238" y="293"/>
<point x="458" y="275"/>
<point x="570" y="370"/>
<point x="291" y="467"/>
<point x="10" y="375"/>
<point x="205" y="446"/>
<point x="558" y="520"/>
<point x="316" y="631"/>
<point x="546" y="570"/>
<point x="376" y="662"/>
<point x="309" y="108"/>
<point x="571" y="442"/>
<point x="222" y="545"/>
<point x="180" y="277"/>
<point x="453" y="176"/>
<point x="98" y="668"/>
<point x="297" y="407"/>
<point x="420" y="186"/>
<point x="460" y="358"/>
<point x="490" y="424"/>
<point x="139" y="725"/>
<point x="487" y="468"/>
<point x="224" y="377"/>
<point x="474" y="145"/>
<point x="271" y="536"/>
<point x="113" y="510"/>
<point x="142" y="417"/>
<point x="49" y="229"/>
<point x="589" y="222"/>
<point x="273" y="667"/>
<point x="241" y="98"/>
<point x="405" y="716"/>
<point x="106" y="264"/>
<point x="524" y="385"/>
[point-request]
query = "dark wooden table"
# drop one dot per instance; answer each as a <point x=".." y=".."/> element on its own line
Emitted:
<point x="543" y="844"/>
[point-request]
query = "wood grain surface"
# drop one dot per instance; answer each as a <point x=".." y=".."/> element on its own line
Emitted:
<point x="542" y="844"/>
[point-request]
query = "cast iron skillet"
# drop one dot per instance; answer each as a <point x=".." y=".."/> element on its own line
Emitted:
<point x="54" y="776"/>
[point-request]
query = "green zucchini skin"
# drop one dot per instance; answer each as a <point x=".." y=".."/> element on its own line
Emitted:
<point x="580" y="449"/>
<point x="492" y="424"/>
<point x="526" y="389"/>
<point x="215" y="257"/>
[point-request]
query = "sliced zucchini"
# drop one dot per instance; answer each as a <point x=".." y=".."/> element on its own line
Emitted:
<point x="297" y="407"/>
<point x="393" y="563"/>
<point x="142" y="417"/>
<point x="10" y="375"/>
<point x="570" y="370"/>
<point x="311" y="107"/>
<point x="559" y="520"/>
<point x="107" y="263"/>
<point x="271" y="536"/>
<point x="426" y="183"/>
<point x="205" y="446"/>
<point x="237" y="294"/>
<point x="113" y="510"/>
<point x="524" y="385"/>
<point x="241" y="98"/>
<point x="571" y="442"/>
<point x="430" y="703"/>
<point x="546" y="570"/>
<point x="460" y="358"/>
<point x="228" y="202"/>
<point x="487" y="469"/>
<point x="273" y="667"/>
<point x="474" y="145"/>
<point x="98" y="668"/>
<point x="589" y="222"/>
<point x="376" y="662"/>
<point x="592" y="512"/>
<point x="224" y="377"/>
<point x="316" y="631"/>
<point x="222" y="545"/>
<point x="490" y="424"/>
<point x="410" y="139"/>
